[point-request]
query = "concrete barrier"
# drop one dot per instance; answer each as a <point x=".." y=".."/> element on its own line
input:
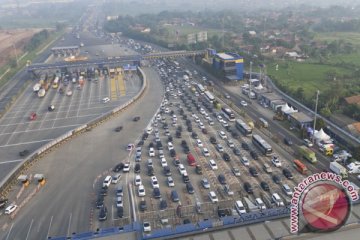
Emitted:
<point x="11" y="179"/>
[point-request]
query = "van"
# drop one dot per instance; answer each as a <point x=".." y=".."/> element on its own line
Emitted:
<point x="277" y="200"/>
<point x="191" y="159"/>
<point x="107" y="181"/>
<point x="115" y="178"/>
<point x="119" y="191"/>
<point x="239" y="206"/>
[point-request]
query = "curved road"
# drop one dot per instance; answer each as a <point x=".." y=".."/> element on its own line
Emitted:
<point x="63" y="205"/>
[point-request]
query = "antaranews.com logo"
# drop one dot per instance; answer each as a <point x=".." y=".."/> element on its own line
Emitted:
<point x="321" y="203"/>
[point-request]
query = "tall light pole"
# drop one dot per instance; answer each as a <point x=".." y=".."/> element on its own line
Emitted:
<point x="251" y="63"/>
<point x="316" y="105"/>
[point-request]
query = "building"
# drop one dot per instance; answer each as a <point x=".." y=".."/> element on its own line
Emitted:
<point x="230" y="65"/>
<point x="201" y="37"/>
<point x="300" y="120"/>
<point x="353" y="100"/>
<point x="191" y="38"/>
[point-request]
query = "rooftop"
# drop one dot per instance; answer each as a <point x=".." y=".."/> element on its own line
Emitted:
<point x="225" y="56"/>
<point x="353" y="99"/>
<point x="301" y="117"/>
<point x="271" y="96"/>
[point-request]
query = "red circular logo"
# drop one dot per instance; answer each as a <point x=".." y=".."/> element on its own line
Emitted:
<point x="325" y="207"/>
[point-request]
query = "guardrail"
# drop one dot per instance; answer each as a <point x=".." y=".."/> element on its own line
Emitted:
<point x="11" y="178"/>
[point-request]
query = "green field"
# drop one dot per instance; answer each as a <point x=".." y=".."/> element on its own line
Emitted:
<point x="351" y="37"/>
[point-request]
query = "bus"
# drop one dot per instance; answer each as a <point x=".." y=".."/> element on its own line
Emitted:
<point x="264" y="147"/>
<point x="55" y="82"/>
<point x="200" y="88"/>
<point x="243" y="127"/>
<point x="209" y="96"/>
<point x="229" y="115"/>
<point x="301" y="167"/>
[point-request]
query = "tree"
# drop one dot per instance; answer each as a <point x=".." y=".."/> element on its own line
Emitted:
<point x="299" y="93"/>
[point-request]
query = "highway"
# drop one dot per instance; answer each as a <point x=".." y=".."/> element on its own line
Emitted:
<point x="65" y="204"/>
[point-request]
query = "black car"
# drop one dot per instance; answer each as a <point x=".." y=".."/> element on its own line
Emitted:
<point x="172" y="153"/>
<point x="170" y="138"/>
<point x="104" y="191"/>
<point x="167" y="171"/>
<point x="226" y="157"/>
<point x="156" y="193"/>
<point x="120" y="212"/>
<point x="118" y="167"/>
<point x="235" y="135"/>
<point x="254" y="155"/>
<point x="245" y="146"/>
<point x="142" y="205"/>
<point x="213" y="140"/>
<point x="288" y="141"/>
<point x="265" y="186"/>
<point x="222" y="179"/>
<point x="159" y="145"/>
<point x="150" y="171"/>
<point x="248" y="188"/>
<point x="140" y="143"/>
<point x="176" y="162"/>
<point x="103" y="213"/>
<point x="179" y="128"/>
<point x="24" y="153"/>
<point x="137" y="168"/>
<point x="163" y="204"/>
<point x="253" y="171"/>
<point x="118" y="129"/>
<point x="166" y="126"/>
<point x="178" y="134"/>
<point x="183" y="143"/>
<point x="145" y="136"/>
<point x="3" y="203"/>
<point x="276" y="179"/>
<point x="137" y="118"/>
<point x="204" y="131"/>
<point x="151" y="145"/>
<point x="188" y="122"/>
<point x="194" y="135"/>
<point x="189" y="188"/>
<point x="236" y="151"/>
<point x="100" y="201"/>
<point x="189" y="128"/>
<point x="287" y="173"/>
<point x="186" y="149"/>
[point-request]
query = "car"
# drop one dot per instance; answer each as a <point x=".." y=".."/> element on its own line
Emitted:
<point x="107" y="181"/>
<point x="137" y="118"/>
<point x="51" y="108"/>
<point x="204" y="131"/>
<point x="248" y="188"/>
<point x="287" y="173"/>
<point x="115" y="179"/>
<point x="142" y="205"/>
<point x="130" y="147"/>
<point x="235" y="135"/>
<point x="3" y="203"/>
<point x="245" y="161"/>
<point x="120" y="212"/>
<point x="219" y="118"/>
<point x="174" y="196"/>
<point x="205" y="152"/>
<point x="213" y="198"/>
<point x="105" y="100"/>
<point x="228" y="191"/>
<point x="163" y="162"/>
<point x="227" y="96"/>
<point x="146" y="227"/>
<point x="118" y="129"/>
<point x="236" y="171"/>
<point x="222" y="135"/>
<point x="154" y="182"/>
<point x="243" y="103"/>
<point x="170" y="182"/>
<point x="213" y="164"/>
<point x="10" y="209"/>
<point x="199" y="143"/>
<point x="226" y="157"/>
<point x="100" y="201"/>
<point x="151" y="152"/>
<point x="170" y="146"/>
<point x="287" y="190"/>
<point x="308" y="143"/>
<point x="138" y="158"/>
<point x="265" y="186"/>
<point x="178" y="134"/>
<point x="236" y="151"/>
<point x="126" y="167"/>
<point x="222" y="179"/>
<point x="33" y="116"/>
<point x="275" y="197"/>
<point x="239" y="206"/>
<point x="253" y="171"/>
<point x="260" y="203"/>
<point x="205" y="183"/>
<point x="156" y="193"/>
<point x="276" y="179"/>
<point x="119" y="201"/>
<point x="194" y="135"/>
<point x="137" y="180"/>
<point x="137" y="168"/>
<point x="267" y="168"/>
<point x="245" y="146"/>
<point x="182" y="169"/>
<point x="190" y="188"/>
<point x="213" y="140"/>
<point x="24" y="153"/>
<point x="141" y="191"/>
<point x="288" y="141"/>
<point x="103" y="213"/>
<point x="185" y="178"/>
<point x="198" y="169"/>
<point x="176" y="161"/>
<point x="167" y="171"/>
<point x="275" y="160"/>
<point x="186" y="149"/>
<point x="254" y="155"/>
<point x="150" y="171"/>
<point x="219" y="147"/>
<point x="230" y="143"/>
<point x="172" y="153"/>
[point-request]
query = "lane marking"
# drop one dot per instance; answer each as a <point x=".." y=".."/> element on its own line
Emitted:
<point x="11" y="161"/>
<point x="44" y="129"/>
<point x="22" y="143"/>
<point x="68" y="231"/>
<point x="48" y="232"/>
<point x="27" y="235"/>
<point x="7" y="237"/>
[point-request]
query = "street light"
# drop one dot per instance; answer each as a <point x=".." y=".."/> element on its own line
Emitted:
<point x="316" y="105"/>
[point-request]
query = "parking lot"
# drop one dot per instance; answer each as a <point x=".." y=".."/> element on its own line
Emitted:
<point x="186" y="124"/>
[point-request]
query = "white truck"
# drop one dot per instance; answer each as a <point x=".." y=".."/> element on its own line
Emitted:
<point x="339" y="169"/>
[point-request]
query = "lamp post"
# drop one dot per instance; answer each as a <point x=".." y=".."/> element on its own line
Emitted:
<point x="251" y="63"/>
<point x="316" y="105"/>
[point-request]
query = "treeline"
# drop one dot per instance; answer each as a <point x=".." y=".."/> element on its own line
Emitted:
<point x="37" y="40"/>
<point x="329" y="25"/>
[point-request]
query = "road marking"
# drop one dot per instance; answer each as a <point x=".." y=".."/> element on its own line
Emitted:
<point x="48" y="232"/>
<point x="122" y="86"/>
<point x="11" y="161"/>
<point x="68" y="231"/>
<point x="27" y="235"/>
<point x="16" y="144"/>
<point x="82" y="93"/>
<point x="7" y="237"/>
<point x="38" y="130"/>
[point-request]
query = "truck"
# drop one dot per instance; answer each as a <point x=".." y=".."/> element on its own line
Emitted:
<point x="307" y="153"/>
<point x="36" y="87"/>
<point x="339" y="169"/>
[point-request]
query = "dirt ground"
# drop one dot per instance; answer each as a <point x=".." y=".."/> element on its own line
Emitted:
<point x="11" y="38"/>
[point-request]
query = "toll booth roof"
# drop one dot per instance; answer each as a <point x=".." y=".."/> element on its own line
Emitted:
<point x="39" y="176"/>
<point x="22" y="178"/>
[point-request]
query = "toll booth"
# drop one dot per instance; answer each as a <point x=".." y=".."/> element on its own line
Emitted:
<point x="24" y="180"/>
<point x="40" y="178"/>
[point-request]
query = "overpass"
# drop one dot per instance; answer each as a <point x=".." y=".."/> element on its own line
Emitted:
<point x="112" y="61"/>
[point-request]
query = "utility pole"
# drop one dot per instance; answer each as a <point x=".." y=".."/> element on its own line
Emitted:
<point x="251" y="63"/>
<point x="316" y="105"/>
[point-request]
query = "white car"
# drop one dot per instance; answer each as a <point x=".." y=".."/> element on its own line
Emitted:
<point x="260" y="203"/>
<point x="230" y="143"/>
<point x="163" y="162"/>
<point x="308" y="143"/>
<point x="219" y="118"/>
<point x="224" y="123"/>
<point x="141" y="191"/>
<point x="115" y="178"/>
<point x="199" y="143"/>
<point x="105" y="100"/>
<point x="275" y="160"/>
<point x="213" y="164"/>
<point x="107" y="181"/>
<point x="119" y="202"/>
<point x="10" y="209"/>
<point x="151" y="152"/>
<point x="147" y="227"/>
<point x="138" y="180"/>
<point x="213" y="197"/>
<point x="170" y="182"/>
<point x="222" y="135"/>
<point x="245" y="161"/>
<point x="130" y="147"/>
<point x="201" y="125"/>
<point x="182" y="169"/>
<point x="126" y="167"/>
<point x="206" y="152"/>
<point x="154" y="182"/>
<point x="243" y="103"/>
<point x="170" y="146"/>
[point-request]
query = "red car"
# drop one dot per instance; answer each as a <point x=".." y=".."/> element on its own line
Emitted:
<point x="33" y="116"/>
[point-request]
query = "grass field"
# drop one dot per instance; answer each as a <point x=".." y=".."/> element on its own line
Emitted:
<point x="351" y="37"/>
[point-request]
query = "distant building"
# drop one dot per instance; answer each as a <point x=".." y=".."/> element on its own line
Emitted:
<point x="230" y="65"/>
<point x="252" y="33"/>
<point x="201" y="36"/>
<point x="353" y="100"/>
<point x="191" y="38"/>
<point x="354" y="129"/>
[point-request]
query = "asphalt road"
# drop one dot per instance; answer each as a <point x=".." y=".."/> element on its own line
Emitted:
<point x="65" y="204"/>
